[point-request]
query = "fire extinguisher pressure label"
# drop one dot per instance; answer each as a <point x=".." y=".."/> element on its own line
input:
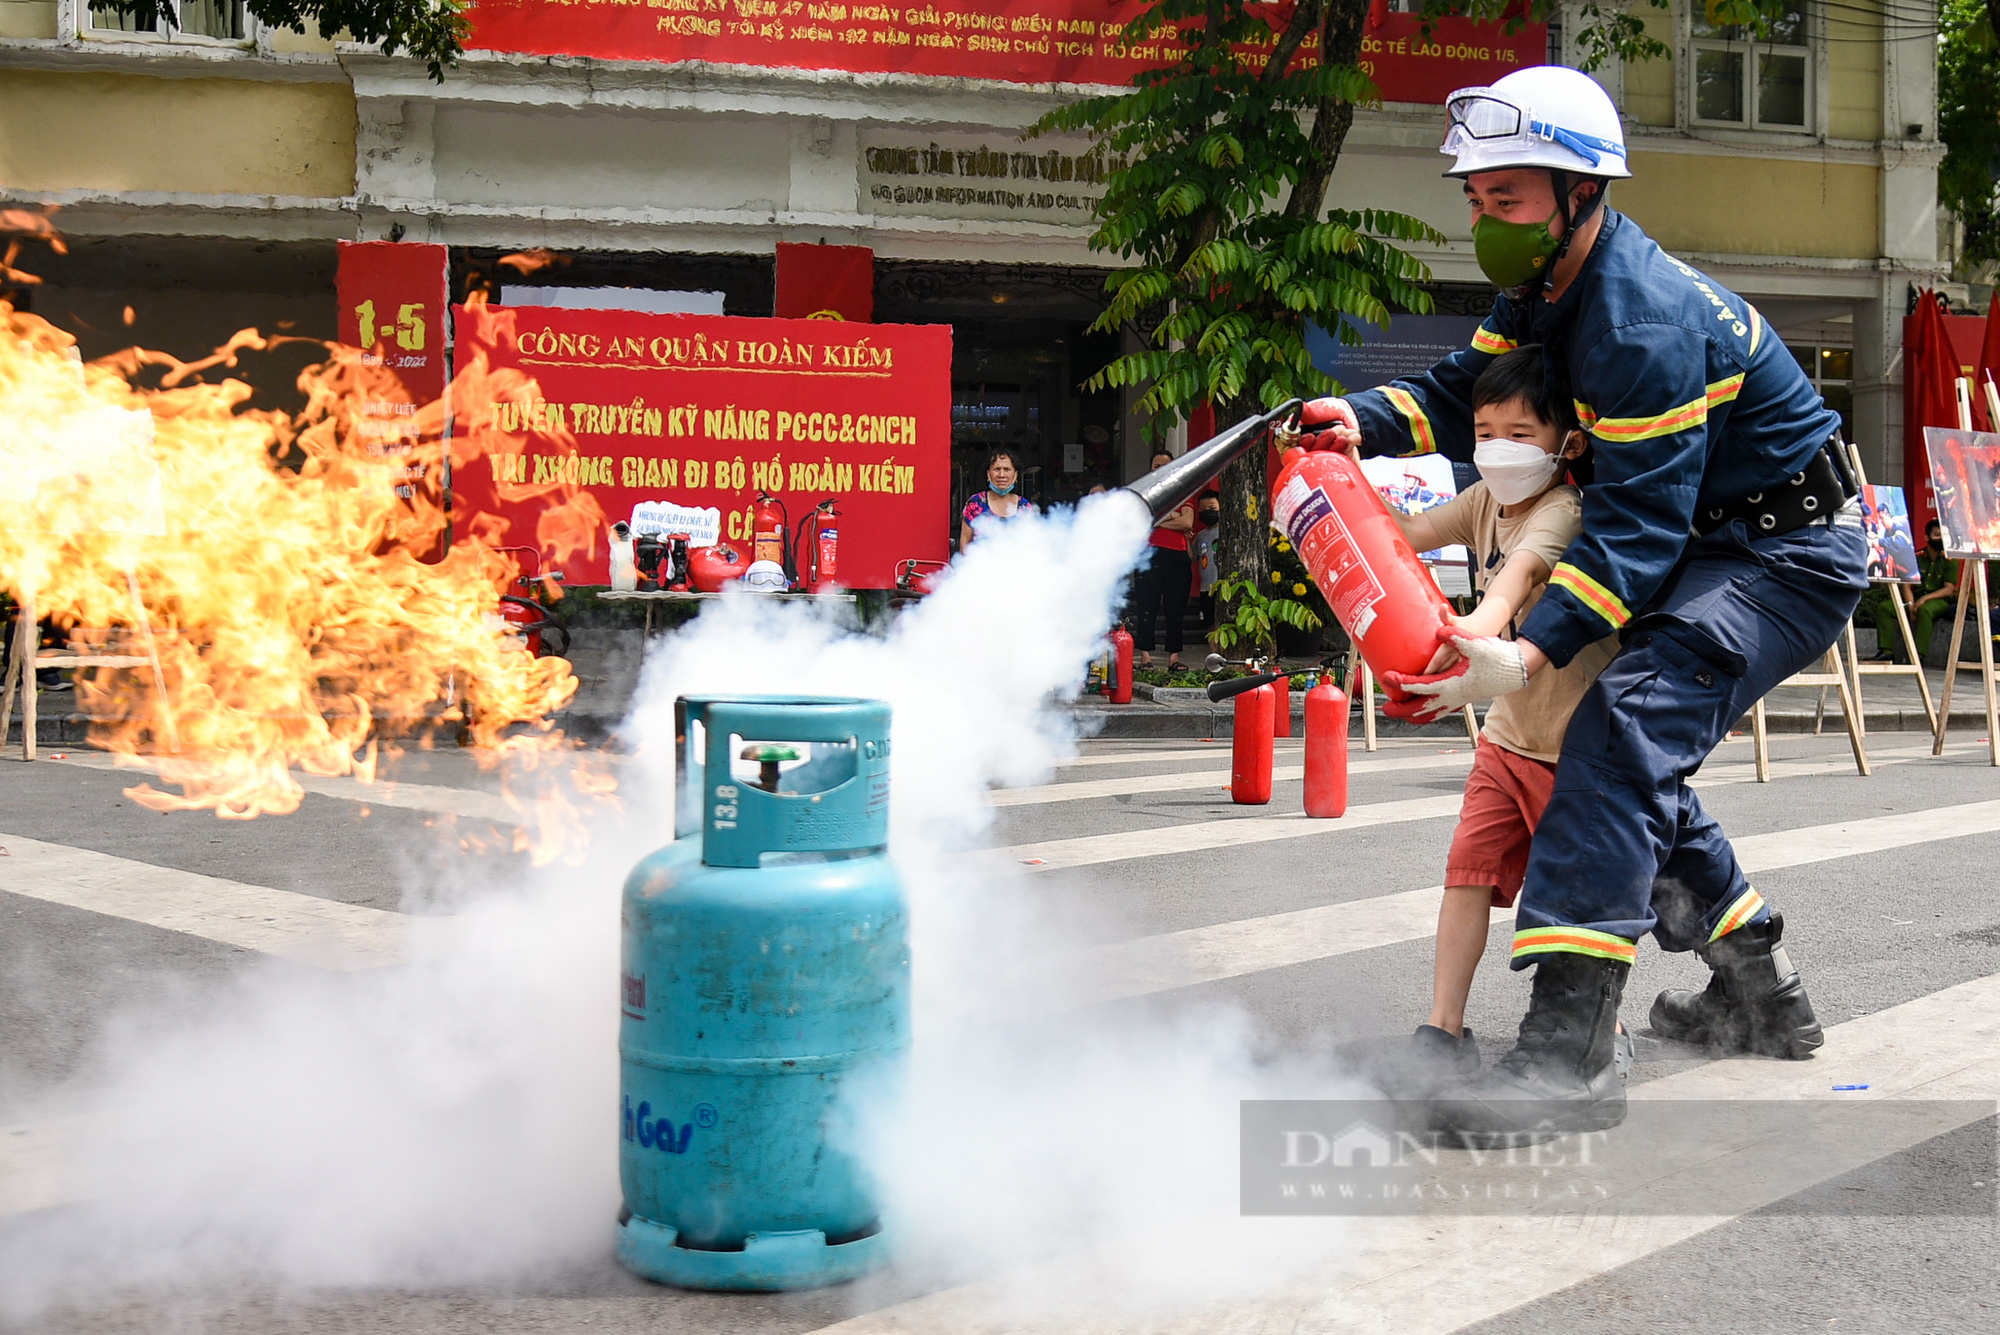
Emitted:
<point x="1330" y="552"/>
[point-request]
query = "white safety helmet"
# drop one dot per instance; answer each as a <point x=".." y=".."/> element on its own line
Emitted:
<point x="1546" y="116"/>
<point x="765" y="577"/>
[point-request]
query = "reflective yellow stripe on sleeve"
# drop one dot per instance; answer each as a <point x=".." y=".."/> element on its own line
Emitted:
<point x="1688" y="415"/>
<point x="1420" y="425"/>
<point x="1625" y="429"/>
<point x="1485" y="340"/>
<point x="1590" y="593"/>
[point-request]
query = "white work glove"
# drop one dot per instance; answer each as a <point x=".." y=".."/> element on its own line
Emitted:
<point x="1488" y="666"/>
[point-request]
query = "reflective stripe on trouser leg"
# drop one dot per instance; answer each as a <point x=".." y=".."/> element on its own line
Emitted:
<point x="1741" y="911"/>
<point x="1739" y="617"/>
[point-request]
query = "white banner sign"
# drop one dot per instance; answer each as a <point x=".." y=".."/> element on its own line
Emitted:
<point x="660" y="518"/>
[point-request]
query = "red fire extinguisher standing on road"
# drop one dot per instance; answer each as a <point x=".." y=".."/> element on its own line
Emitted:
<point x="1121" y="666"/>
<point x="1281" y="707"/>
<point x="1326" y="749"/>
<point x="1250" y="746"/>
<point x="1384" y="598"/>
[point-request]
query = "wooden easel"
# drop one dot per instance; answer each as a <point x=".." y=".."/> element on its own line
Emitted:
<point x="1899" y="598"/>
<point x="1366" y="699"/>
<point x="1972" y="591"/>
<point x="1833" y="672"/>
<point x="26" y="660"/>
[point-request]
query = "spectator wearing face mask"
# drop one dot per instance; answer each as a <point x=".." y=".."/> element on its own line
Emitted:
<point x="1163" y="582"/>
<point x="998" y="502"/>
<point x="1934" y="596"/>
<point x="1201" y="551"/>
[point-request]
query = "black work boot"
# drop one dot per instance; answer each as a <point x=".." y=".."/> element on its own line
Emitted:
<point x="1754" y="1001"/>
<point x="1561" y="1075"/>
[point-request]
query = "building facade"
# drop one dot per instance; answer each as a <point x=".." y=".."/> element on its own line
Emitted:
<point x="204" y="174"/>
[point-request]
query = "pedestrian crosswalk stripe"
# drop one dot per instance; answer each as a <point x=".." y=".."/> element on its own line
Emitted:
<point x="441" y="799"/>
<point x="307" y="928"/>
<point x="1434" y="1274"/>
<point x="1196" y="955"/>
<point x="1078" y="790"/>
<point x="1233" y="831"/>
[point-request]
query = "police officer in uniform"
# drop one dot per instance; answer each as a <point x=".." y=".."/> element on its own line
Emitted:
<point x="1720" y="540"/>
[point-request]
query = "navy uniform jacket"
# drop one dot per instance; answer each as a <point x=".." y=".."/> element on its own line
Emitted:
<point x="1691" y="401"/>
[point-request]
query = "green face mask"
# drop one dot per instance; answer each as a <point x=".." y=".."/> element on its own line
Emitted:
<point x="1511" y="254"/>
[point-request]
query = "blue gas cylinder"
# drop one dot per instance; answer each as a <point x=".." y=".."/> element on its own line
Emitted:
<point x="766" y="1001"/>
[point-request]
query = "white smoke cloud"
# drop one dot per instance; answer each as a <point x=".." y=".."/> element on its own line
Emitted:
<point x="453" y="1121"/>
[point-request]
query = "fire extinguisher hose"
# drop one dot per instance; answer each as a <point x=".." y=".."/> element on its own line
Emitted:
<point x="1223" y="690"/>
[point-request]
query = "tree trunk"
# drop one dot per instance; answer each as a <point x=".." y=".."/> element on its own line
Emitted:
<point x="1340" y="44"/>
<point x="1242" y="542"/>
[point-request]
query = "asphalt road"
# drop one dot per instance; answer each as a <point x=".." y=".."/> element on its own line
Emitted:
<point x="1178" y="956"/>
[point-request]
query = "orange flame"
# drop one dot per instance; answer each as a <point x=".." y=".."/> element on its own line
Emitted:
<point x="275" y="563"/>
<point x="526" y="262"/>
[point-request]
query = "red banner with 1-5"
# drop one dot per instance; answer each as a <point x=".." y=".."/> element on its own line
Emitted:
<point x="567" y="421"/>
<point x="392" y="297"/>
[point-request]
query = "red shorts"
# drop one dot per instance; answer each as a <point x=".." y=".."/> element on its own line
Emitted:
<point x="1504" y="798"/>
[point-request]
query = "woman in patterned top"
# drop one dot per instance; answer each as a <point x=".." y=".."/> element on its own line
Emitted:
<point x="998" y="502"/>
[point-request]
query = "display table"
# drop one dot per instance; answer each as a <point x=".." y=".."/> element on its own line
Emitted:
<point x="651" y="596"/>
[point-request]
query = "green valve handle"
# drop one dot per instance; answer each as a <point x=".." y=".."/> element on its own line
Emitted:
<point x="769" y="755"/>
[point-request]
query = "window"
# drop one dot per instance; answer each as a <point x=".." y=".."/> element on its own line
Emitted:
<point x="1831" y="370"/>
<point x="220" y="19"/>
<point x="1756" y="84"/>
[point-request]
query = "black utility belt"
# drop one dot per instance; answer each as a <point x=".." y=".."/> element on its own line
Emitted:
<point x="1814" y="494"/>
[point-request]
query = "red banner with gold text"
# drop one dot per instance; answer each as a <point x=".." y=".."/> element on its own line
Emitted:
<point x="1013" y="41"/>
<point x="392" y="297"/>
<point x="565" y="421"/>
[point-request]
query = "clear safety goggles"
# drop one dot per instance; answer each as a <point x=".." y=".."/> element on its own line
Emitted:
<point x="1477" y="114"/>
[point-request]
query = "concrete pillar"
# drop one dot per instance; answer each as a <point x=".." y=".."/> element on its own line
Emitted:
<point x="1878" y="395"/>
<point x="395" y="170"/>
<point x="1910" y="155"/>
<point x="825" y="173"/>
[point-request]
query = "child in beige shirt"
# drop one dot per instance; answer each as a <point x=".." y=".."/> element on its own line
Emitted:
<point x="1517" y="521"/>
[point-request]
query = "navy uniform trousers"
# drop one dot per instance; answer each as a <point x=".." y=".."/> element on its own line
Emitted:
<point x="1624" y="847"/>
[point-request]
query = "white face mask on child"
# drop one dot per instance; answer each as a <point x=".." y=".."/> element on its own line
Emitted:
<point x="1515" y="470"/>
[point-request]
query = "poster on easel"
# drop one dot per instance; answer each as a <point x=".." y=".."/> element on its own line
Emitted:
<point x="1413" y="485"/>
<point x="1892" y="547"/>
<point x="1965" y="474"/>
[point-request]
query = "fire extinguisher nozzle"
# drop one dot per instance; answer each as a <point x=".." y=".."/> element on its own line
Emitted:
<point x="1165" y="490"/>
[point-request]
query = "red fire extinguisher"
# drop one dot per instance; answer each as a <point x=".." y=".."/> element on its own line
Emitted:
<point x="1326" y="749"/>
<point x="1371" y="578"/>
<point x="1121" y="666"/>
<point x="768" y="529"/>
<point x="1250" y="747"/>
<point x="1281" y="707"/>
<point x="819" y="531"/>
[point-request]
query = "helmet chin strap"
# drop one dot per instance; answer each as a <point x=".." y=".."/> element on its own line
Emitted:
<point x="1560" y="179"/>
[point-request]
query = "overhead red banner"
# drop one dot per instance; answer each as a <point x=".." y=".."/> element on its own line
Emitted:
<point x="566" y="421"/>
<point x="392" y="297"/>
<point x="1014" y="41"/>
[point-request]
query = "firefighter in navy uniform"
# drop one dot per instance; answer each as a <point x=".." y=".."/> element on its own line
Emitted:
<point x="1720" y="540"/>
